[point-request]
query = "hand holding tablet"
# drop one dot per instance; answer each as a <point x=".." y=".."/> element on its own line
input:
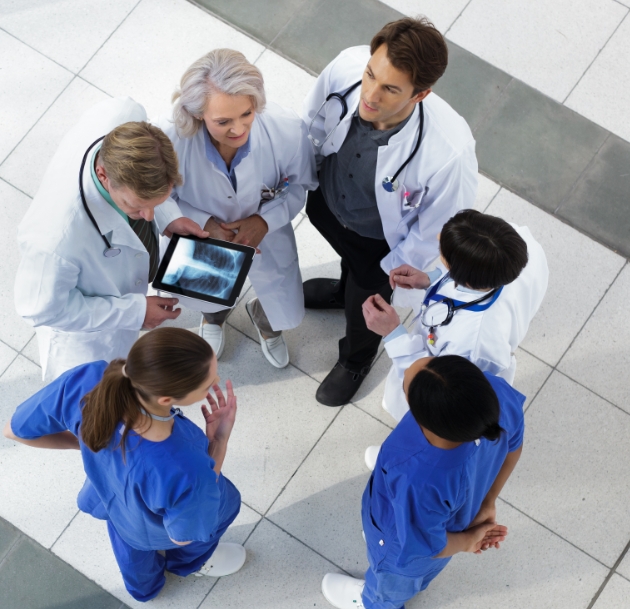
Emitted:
<point x="205" y="269"/>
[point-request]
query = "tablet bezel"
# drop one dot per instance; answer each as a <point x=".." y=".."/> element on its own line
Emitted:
<point x="238" y="284"/>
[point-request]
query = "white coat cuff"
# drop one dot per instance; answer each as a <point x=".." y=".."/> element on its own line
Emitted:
<point x="404" y="345"/>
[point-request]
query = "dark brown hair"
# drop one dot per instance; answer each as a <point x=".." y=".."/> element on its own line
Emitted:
<point x="482" y="251"/>
<point x="416" y="47"/>
<point x="164" y="362"/>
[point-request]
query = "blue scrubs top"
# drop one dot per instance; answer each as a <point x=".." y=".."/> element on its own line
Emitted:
<point x="418" y="492"/>
<point x="164" y="489"/>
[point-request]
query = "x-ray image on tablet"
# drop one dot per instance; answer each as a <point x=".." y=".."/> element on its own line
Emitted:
<point x="206" y="269"/>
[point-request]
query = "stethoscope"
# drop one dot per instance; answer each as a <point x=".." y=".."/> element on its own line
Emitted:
<point x="109" y="251"/>
<point x="428" y="320"/>
<point x="390" y="183"/>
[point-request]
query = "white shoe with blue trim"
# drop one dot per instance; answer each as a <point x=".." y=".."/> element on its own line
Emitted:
<point x="342" y="591"/>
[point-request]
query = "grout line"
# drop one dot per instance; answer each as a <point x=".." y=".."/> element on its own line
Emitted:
<point x="13" y="185"/>
<point x="496" y="194"/>
<point x="608" y="577"/>
<point x="12" y="546"/>
<point x="485" y="118"/>
<point x="598" y="54"/>
<point x="64" y="530"/>
<point x="448" y="29"/>
<point x="553" y="532"/>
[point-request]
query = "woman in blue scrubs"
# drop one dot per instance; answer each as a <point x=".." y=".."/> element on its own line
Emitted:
<point x="152" y="474"/>
<point x="437" y="477"/>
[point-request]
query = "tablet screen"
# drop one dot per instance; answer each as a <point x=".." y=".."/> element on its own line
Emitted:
<point x="208" y="269"/>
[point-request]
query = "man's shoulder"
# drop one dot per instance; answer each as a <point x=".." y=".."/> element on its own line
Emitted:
<point x="444" y="123"/>
<point x="348" y="66"/>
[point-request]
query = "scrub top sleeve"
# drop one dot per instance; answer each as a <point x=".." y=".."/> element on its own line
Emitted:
<point x="194" y="513"/>
<point x="512" y="419"/>
<point x="57" y="407"/>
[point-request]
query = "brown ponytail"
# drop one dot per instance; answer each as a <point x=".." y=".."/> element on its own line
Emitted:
<point x="164" y="362"/>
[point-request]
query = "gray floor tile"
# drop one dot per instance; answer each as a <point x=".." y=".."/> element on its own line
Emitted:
<point x="322" y="29"/>
<point x="536" y="147"/>
<point x="8" y="536"/>
<point x="600" y="203"/>
<point x="33" y="577"/>
<point x="470" y="85"/>
<point x="615" y="595"/>
<point x="263" y="19"/>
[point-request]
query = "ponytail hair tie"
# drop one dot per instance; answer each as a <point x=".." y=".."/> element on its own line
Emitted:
<point x="124" y="372"/>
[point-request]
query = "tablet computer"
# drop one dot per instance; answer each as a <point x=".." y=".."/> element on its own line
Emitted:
<point x="205" y="269"/>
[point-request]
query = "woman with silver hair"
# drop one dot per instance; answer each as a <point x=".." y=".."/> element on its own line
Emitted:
<point x="246" y="167"/>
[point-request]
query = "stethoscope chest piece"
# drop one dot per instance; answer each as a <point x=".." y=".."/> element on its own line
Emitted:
<point x="390" y="184"/>
<point x="111" y="252"/>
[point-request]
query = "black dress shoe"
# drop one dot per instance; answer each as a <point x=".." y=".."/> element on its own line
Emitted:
<point x="339" y="387"/>
<point x="322" y="293"/>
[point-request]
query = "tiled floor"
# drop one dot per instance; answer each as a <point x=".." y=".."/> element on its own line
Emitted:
<point x="299" y="465"/>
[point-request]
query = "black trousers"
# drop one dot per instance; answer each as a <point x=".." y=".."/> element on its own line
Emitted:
<point x="361" y="277"/>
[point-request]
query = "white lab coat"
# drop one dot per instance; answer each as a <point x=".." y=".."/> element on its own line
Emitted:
<point x="85" y="307"/>
<point x="487" y="338"/>
<point x="279" y="149"/>
<point x="441" y="179"/>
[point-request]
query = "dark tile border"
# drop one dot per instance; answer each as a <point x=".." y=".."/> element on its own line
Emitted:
<point x="528" y="143"/>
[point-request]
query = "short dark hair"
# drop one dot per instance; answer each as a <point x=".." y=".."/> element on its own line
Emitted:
<point x="482" y="251"/>
<point x="452" y="398"/>
<point x="416" y="47"/>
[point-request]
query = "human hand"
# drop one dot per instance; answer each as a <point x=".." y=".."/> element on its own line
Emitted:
<point x="159" y="310"/>
<point x="251" y="230"/>
<point x="484" y="536"/>
<point x="487" y="514"/>
<point x="215" y="230"/>
<point x="408" y="277"/>
<point x="185" y="226"/>
<point x="380" y="316"/>
<point x="220" y="418"/>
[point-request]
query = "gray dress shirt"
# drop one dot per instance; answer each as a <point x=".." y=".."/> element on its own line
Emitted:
<point x="347" y="177"/>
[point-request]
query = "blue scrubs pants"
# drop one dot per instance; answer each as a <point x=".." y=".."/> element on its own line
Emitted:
<point x="386" y="589"/>
<point x="143" y="570"/>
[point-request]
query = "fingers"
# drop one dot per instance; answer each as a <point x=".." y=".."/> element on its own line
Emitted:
<point x="402" y="281"/>
<point x="219" y="394"/>
<point x="231" y="225"/>
<point x="166" y="302"/>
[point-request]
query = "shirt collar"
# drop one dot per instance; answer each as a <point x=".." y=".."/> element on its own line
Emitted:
<point x="212" y="154"/>
<point x="379" y="136"/>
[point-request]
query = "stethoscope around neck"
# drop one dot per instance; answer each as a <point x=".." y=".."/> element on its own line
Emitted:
<point x="390" y="183"/>
<point x="109" y="251"/>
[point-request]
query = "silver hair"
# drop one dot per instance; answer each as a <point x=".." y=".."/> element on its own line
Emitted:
<point x="219" y="71"/>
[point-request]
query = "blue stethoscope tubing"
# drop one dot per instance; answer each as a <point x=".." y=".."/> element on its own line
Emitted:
<point x="389" y="183"/>
<point x="109" y="251"/>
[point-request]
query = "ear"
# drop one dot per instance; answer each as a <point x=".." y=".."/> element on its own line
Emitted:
<point x="418" y="97"/>
<point x="102" y="175"/>
<point x="165" y="401"/>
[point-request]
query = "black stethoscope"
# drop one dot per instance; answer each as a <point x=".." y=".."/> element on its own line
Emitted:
<point x="109" y="251"/>
<point x="390" y="183"/>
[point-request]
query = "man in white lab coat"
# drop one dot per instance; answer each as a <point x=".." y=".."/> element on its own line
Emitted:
<point x="395" y="163"/>
<point x="89" y="252"/>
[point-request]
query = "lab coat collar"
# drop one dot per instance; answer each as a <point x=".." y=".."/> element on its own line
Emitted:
<point x="109" y="221"/>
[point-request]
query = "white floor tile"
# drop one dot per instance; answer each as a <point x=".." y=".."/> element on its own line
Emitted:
<point x="546" y="44"/>
<point x="7" y="355"/>
<point x="441" y="12"/>
<point x="616" y="594"/>
<point x="602" y="94"/>
<point x="38" y="487"/>
<point x="533" y="568"/>
<point x="26" y="165"/>
<point x="278" y="421"/>
<point x="600" y="356"/>
<point x="13" y="205"/>
<point x="67" y="31"/>
<point x="149" y="53"/>
<point x="324" y="511"/>
<point x="280" y="573"/>
<point x="571" y="257"/>
<point x="29" y="83"/>
<point x="624" y="567"/>
<point x="531" y="373"/>
<point x="572" y="477"/>
<point x="486" y="191"/>
<point x="85" y="545"/>
<point x="285" y="83"/>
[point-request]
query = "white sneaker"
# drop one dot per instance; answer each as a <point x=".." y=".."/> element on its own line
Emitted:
<point x="274" y="349"/>
<point x="214" y="335"/>
<point x="371" y="454"/>
<point x="228" y="558"/>
<point x="342" y="591"/>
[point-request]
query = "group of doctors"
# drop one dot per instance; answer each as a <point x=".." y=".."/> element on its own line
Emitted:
<point x="381" y="162"/>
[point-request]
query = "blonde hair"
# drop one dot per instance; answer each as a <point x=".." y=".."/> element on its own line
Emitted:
<point x="141" y="157"/>
<point x="219" y="71"/>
